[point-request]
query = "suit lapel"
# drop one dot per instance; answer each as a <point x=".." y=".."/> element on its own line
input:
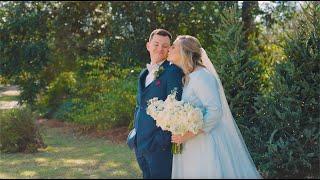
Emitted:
<point x="165" y="64"/>
<point x="142" y="80"/>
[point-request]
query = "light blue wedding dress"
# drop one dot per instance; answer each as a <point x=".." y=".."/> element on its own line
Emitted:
<point x="220" y="152"/>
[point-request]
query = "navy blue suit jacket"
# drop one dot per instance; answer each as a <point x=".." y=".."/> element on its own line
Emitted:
<point x="146" y="137"/>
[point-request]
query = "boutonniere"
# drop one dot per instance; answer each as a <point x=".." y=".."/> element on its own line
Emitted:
<point x="158" y="83"/>
<point x="158" y="71"/>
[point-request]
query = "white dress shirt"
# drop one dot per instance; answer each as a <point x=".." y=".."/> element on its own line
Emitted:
<point x="152" y="68"/>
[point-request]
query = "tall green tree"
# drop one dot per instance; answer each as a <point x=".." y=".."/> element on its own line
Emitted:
<point x="23" y="46"/>
<point x="239" y="74"/>
<point x="41" y="40"/>
<point x="289" y="114"/>
<point x="133" y="23"/>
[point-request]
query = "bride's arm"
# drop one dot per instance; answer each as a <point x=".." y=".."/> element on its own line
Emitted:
<point x="206" y="89"/>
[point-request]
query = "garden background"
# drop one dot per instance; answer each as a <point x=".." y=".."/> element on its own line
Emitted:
<point x="76" y="65"/>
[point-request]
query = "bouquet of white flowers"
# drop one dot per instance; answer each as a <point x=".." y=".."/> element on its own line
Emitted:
<point x="175" y="116"/>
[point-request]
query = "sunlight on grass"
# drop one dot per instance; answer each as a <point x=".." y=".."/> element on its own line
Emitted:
<point x="41" y="160"/>
<point x="70" y="156"/>
<point x="98" y="155"/>
<point x="5" y="176"/>
<point x="110" y="164"/>
<point x="94" y="176"/>
<point x="59" y="149"/>
<point x="28" y="173"/>
<point x="119" y="173"/>
<point x="17" y="162"/>
<point x="75" y="162"/>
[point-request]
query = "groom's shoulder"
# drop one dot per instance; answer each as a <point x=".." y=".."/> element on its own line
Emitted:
<point x="141" y="72"/>
<point x="172" y="68"/>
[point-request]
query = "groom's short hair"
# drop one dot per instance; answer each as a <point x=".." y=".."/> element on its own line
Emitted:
<point x="161" y="32"/>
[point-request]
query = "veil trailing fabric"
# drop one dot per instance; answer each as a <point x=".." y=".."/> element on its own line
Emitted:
<point x="242" y="165"/>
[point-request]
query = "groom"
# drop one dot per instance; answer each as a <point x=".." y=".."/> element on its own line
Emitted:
<point x="151" y="144"/>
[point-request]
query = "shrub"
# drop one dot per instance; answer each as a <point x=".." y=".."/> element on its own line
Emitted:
<point x="19" y="132"/>
<point x="110" y="109"/>
<point x="104" y="96"/>
<point x="288" y="133"/>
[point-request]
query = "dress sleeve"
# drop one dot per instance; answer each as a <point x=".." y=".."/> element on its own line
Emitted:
<point x="206" y="89"/>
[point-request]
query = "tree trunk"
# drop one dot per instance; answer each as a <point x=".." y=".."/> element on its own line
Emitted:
<point x="249" y="9"/>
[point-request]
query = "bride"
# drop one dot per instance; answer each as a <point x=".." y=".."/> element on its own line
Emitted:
<point x="218" y="151"/>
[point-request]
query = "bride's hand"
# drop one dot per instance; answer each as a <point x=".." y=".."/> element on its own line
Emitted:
<point x="179" y="139"/>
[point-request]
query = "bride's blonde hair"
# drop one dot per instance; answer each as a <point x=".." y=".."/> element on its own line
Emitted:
<point x="190" y="50"/>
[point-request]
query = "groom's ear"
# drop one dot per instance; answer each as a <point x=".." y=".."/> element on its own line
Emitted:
<point x="147" y="45"/>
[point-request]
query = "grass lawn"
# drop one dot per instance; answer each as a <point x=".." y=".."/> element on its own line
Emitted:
<point x="70" y="156"/>
<point x="9" y="98"/>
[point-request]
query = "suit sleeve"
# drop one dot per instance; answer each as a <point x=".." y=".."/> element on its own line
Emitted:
<point x="131" y="136"/>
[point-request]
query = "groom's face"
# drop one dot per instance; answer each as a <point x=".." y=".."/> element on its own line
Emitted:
<point x="158" y="48"/>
